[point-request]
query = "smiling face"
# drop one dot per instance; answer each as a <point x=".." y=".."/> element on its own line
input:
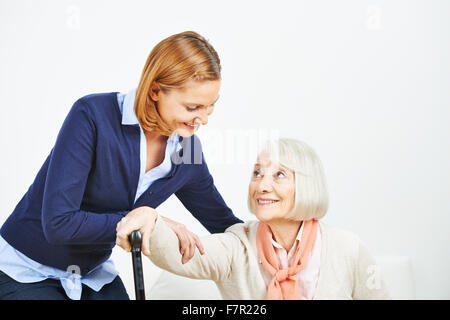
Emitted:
<point x="184" y="110"/>
<point x="271" y="190"/>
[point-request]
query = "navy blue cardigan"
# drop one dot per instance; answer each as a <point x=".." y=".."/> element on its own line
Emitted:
<point x="88" y="183"/>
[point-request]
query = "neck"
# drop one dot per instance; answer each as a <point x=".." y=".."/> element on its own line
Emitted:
<point x="154" y="136"/>
<point x="285" y="232"/>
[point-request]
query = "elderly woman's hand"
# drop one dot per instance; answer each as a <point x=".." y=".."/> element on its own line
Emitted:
<point x="142" y="219"/>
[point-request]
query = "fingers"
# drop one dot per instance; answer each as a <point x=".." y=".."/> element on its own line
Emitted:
<point x="184" y="240"/>
<point x="142" y="219"/>
<point x="191" y="242"/>
<point x="184" y="243"/>
<point x="145" y="246"/>
<point x="190" y="250"/>
<point x="199" y="244"/>
<point x="123" y="231"/>
<point x="188" y="241"/>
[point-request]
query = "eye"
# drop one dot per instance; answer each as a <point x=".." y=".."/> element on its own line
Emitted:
<point x="256" y="174"/>
<point x="190" y="108"/>
<point x="280" y="175"/>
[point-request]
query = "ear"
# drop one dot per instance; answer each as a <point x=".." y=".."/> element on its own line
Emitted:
<point x="155" y="91"/>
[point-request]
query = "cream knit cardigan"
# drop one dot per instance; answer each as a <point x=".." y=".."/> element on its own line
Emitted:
<point x="347" y="270"/>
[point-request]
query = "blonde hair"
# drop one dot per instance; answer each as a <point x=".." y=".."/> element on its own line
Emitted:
<point x="311" y="192"/>
<point x="171" y="63"/>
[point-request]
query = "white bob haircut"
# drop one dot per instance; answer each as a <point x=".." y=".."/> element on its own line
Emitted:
<point x="311" y="192"/>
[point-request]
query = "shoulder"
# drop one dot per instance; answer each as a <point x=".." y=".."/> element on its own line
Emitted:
<point x="244" y="231"/>
<point x="244" y="241"/>
<point x="98" y="109"/>
<point x="96" y="98"/>
<point x="340" y="241"/>
<point x="337" y="233"/>
<point x="97" y="102"/>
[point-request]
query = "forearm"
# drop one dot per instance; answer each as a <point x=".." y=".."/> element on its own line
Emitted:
<point x="215" y="264"/>
<point x="81" y="227"/>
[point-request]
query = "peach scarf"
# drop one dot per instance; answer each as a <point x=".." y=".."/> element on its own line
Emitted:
<point x="284" y="283"/>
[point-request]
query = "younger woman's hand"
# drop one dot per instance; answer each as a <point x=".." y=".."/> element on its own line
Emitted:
<point x="142" y="219"/>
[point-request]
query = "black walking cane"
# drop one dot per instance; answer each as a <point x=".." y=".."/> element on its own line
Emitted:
<point x="136" y="240"/>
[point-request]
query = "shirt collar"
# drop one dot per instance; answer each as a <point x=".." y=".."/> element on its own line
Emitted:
<point x="175" y="139"/>
<point x="128" y="115"/>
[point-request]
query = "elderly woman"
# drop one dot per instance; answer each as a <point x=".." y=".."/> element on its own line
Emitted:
<point x="287" y="254"/>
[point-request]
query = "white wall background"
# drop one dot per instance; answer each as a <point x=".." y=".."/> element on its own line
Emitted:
<point x="365" y="83"/>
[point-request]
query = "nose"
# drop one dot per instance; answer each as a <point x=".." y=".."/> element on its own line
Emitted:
<point x="265" y="184"/>
<point x="203" y="116"/>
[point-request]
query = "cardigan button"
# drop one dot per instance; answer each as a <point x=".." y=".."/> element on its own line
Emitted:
<point x="151" y="192"/>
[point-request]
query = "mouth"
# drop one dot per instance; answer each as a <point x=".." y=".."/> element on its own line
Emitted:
<point x="266" y="202"/>
<point x="191" y="126"/>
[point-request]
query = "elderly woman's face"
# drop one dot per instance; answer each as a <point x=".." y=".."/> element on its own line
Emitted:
<point x="271" y="190"/>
